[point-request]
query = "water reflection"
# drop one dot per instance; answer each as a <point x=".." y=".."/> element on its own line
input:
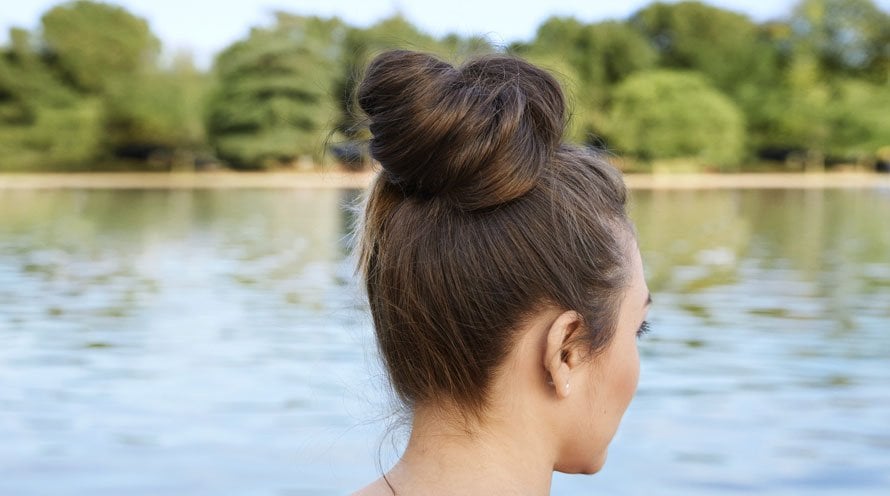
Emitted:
<point x="215" y="342"/>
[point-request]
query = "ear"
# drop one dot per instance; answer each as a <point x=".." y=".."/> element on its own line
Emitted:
<point x="559" y="358"/>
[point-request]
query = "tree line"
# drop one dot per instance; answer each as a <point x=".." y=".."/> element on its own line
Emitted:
<point x="680" y="85"/>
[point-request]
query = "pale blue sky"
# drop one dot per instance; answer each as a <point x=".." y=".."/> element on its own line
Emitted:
<point x="206" y="26"/>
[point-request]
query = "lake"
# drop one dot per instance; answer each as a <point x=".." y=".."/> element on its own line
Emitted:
<point x="214" y="342"/>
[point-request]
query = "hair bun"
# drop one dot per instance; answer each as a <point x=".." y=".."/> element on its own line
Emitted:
<point x="478" y="135"/>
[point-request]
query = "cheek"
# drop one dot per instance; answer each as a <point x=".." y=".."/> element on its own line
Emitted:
<point x="631" y="378"/>
<point x="599" y="413"/>
<point x="623" y="378"/>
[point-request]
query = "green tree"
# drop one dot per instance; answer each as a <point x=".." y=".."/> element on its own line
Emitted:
<point x="665" y="114"/>
<point x="801" y="118"/>
<point x="725" y="46"/>
<point x="159" y="112"/>
<point x="105" y="54"/>
<point x="458" y="47"/>
<point x="735" y="54"/>
<point x="43" y="124"/>
<point x="590" y="60"/>
<point x="848" y="37"/>
<point x="858" y="118"/>
<point x="602" y="54"/>
<point x="94" y="43"/>
<point x="273" y="104"/>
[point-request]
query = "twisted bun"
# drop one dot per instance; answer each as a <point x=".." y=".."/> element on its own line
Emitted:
<point x="478" y="135"/>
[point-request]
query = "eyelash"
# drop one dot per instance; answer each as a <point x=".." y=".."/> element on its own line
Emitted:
<point x="644" y="329"/>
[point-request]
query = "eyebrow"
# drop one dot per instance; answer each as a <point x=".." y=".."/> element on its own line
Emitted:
<point x="648" y="300"/>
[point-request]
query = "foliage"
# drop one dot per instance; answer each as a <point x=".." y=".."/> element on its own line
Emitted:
<point x="665" y="114"/>
<point x="589" y="59"/>
<point x="63" y="137"/>
<point x="723" y="45"/>
<point x="679" y="81"/>
<point x="94" y="43"/>
<point x="602" y="54"/>
<point x="159" y="110"/>
<point x="849" y="37"/>
<point x="801" y="121"/>
<point x="858" y="116"/>
<point x="87" y="89"/>
<point x="733" y="52"/>
<point x="272" y="105"/>
<point x="43" y="124"/>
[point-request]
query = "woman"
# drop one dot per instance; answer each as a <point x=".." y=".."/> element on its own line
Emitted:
<point x="503" y="275"/>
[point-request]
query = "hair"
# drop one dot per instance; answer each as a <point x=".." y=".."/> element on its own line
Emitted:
<point x="480" y="217"/>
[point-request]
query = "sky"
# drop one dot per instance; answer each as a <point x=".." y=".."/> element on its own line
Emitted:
<point x="205" y="27"/>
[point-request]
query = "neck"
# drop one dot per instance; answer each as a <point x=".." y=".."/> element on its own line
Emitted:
<point x="500" y="458"/>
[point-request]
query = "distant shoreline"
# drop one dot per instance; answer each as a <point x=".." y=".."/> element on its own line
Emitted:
<point x="338" y="179"/>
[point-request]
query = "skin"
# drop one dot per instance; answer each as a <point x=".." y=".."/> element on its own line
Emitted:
<point x="552" y="407"/>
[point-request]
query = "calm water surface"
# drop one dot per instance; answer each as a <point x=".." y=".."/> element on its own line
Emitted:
<point x="214" y="342"/>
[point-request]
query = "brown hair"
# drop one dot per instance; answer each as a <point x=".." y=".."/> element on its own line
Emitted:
<point x="480" y="216"/>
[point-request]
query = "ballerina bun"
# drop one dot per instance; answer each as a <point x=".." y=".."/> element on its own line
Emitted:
<point x="477" y="135"/>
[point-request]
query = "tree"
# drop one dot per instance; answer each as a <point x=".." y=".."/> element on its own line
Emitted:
<point x="104" y="53"/>
<point x="159" y="112"/>
<point x="590" y="59"/>
<point x="273" y="104"/>
<point x="43" y="123"/>
<point x="801" y="119"/>
<point x="93" y="43"/>
<point x="735" y="54"/>
<point x="848" y="37"/>
<point x="602" y="54"/>
<point x="725" y="46"/>
<point x="458" y="47"/>
<point x="665" y="114"/>
<point x="857" y="116"/>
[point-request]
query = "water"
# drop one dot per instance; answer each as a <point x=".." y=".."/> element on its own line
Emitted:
<point x="214" y="342"/>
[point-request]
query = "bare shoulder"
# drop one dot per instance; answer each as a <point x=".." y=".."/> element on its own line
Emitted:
<point x="377" y="488"/>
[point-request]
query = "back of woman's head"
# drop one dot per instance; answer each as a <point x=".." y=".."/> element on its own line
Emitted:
<point x="480" y="217"/>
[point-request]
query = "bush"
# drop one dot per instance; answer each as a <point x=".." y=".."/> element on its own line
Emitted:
<point x="676" y="115"/>
<point x="272" y="104"/>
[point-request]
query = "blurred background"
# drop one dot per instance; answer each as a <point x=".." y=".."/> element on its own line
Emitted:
<point x="734" y="85"/>
<point x="202" y="340"/>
